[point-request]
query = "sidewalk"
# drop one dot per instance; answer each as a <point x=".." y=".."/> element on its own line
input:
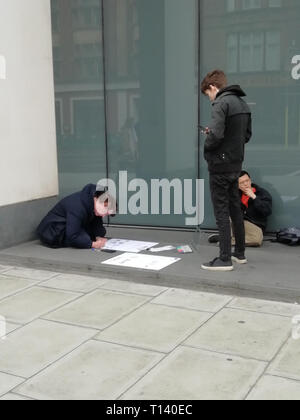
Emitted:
<point x="272" y="272"/>
<point x="82" y="337"/>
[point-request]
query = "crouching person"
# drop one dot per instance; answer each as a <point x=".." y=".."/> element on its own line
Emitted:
<point x="256" y="205"/>
<point x="77" y="220"/>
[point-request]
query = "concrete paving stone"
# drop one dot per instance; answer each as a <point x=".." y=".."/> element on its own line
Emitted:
<point x="192" y="374"/>
<point x="14" y="397"/>
<point x="34" y="347"/>
<point x="264" y="306"/>
<point x="74" y="283"/>
<point x="31" y="274"/>
<point x="4" y="268"/>
<point x="8" y="382"/>
<point x="272" y="388"/>
<point x="31" y="304"/>
<point x="243" y="333"/>
<point x="189" y="299"/>
<point x="12" y="285"/>
<point x="95" y="371"/>
<point x="155" y="327"/>
<point x="136" y="288"/>
<point x="287" y="362"/>
<point x="97" y="310"/>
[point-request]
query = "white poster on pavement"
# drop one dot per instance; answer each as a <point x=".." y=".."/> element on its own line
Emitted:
<point x="142" y="261"/>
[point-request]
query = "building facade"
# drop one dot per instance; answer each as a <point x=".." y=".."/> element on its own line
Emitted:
<point x="126" y="76"/>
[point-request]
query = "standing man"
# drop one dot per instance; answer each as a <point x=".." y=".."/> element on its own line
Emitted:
<point x="230" y="130"/>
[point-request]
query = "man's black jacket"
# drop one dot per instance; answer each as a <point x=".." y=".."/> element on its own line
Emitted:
<point x="72" y="222"/>
<point x="230" y="130"/>
<point x="259" y="209"/>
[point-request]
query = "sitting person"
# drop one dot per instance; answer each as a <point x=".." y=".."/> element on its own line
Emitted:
<point x="256" y="204"/>
<point x="76" y="221"/>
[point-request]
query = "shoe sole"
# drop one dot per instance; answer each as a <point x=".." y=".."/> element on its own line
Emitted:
<point x="239" y="261"/>
<point x="217" y="268"/>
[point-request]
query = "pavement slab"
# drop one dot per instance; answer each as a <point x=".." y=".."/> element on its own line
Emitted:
<point x="189" y="299"/>
<point x="135" y="288"/>
<point x="74" y="283"/>
<point x="33" y="303"/>
<point x="12" y="285"/>
<point x="8" y="382"/>
<point x="32" y="274"/>
<point x="272" y="388"/>
<point x="287" y="362"/>
<point x="155" y="327"/>
<point x="37" y="345"/>
<point x="267" y="307"/>
<point x="247" y="334"/>
<point x="95" y="371"/>
<point x="192" y="374"/>
<point x="98" y="310"/>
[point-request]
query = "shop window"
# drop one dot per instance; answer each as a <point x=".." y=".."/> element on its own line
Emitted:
<point x="253" y="52"/>
<point x="251" y="4"/>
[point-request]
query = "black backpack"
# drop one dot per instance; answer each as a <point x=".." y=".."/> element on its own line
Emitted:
<point x="289" y="236"/>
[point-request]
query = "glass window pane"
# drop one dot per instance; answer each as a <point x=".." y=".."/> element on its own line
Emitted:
<point x="151" y="67"/>
<point x="269" y="72"/>
<point x="273" y="50"/>
<point x="78" y="70"/>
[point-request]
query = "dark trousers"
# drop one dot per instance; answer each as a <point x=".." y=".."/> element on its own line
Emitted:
<point x="227" y="205"/>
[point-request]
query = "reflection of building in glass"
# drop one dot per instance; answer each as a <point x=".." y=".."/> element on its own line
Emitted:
<point x="78" y="62"/>
<point x="256" y="41"/>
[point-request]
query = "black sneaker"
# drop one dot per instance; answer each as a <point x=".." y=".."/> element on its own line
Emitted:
<point x="239" y="258"/>
<point x="218" y="265"/>
<point x="214" y="239"/>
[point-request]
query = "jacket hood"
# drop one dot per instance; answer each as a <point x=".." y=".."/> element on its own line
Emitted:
<point x="232" y="90"/>
<point x="87" y="197"/>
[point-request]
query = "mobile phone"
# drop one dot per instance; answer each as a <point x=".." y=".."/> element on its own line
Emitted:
<point x="108" y="251"/>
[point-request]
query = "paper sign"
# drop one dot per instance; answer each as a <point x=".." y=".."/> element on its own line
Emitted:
<point x="125" y="245"/>
<point x="142" y="261"/>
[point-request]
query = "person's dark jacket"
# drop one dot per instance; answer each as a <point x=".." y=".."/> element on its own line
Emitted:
<point x="72" y="222"/>
<point x="259" y="209"/>
<point x="230" y="130"/>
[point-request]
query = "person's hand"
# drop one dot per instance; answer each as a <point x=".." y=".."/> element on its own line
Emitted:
<point x="249" y="192"/>
<point x="207" y="130"/>
<point x="99" y="244"/>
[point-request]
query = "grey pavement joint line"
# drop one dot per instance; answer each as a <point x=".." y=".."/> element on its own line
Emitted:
<point x="79" y="296"/>
<point x="69" y="324"/>
<point x="131" y="293"/>
<point x="100" y="288"/>
<point x="186" y="308"/>
<point x="189" y="346"/>
<point x="18" y="292"/>
<point x="128" y="346"/>
<point x="259" y="312"/>
<point x="19" y="395"/>
<point x="55" y="274"/>
<point x="15" y="376"/>
<point x="36" y="284"/>
<point x="273" y="375"/>
<point x="268" y="365"/>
